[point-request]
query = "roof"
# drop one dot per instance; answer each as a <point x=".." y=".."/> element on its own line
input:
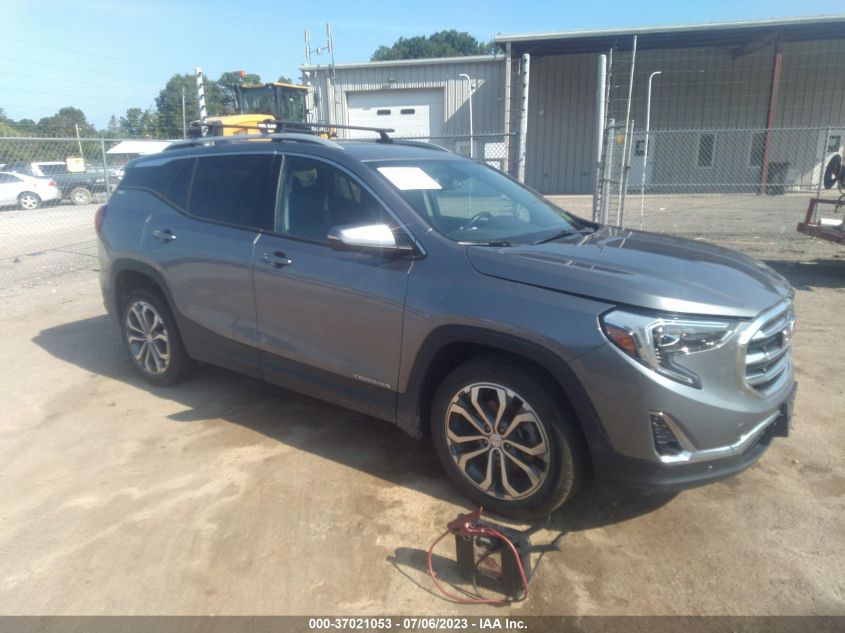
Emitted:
<point x="679" y="36"/>
<point x="371" y="150"/>
<point x="469" y="59"/>
<point x="356" y="150"/>
<point x="139" y="147"/>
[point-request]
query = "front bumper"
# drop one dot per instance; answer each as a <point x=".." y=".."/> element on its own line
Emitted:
<point x="652" y="475"/>
<point x="719" y="432"/>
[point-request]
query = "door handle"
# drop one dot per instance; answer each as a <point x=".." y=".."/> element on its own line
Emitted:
<point x="276" y="259"/>
<point x="164" y="235"/>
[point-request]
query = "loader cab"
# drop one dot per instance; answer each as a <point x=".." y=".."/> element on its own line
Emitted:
<point x="278" y="100"/>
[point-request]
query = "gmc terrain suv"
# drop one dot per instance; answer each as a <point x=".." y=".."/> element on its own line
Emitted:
<point x="430" y="290"/>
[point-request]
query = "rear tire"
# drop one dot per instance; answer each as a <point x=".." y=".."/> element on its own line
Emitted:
<point x="527" y="457"/>
<point x="151" y="339"/>
<point x="29" y="201"/>
<point x="80" y="195"/>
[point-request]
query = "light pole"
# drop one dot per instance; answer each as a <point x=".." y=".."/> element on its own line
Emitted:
<point x="471" y="142"/>
<point x="645" y="152"/>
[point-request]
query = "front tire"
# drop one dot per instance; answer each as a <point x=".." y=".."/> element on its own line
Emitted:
<point x="151" y="339"/>
<point x="29" y="201"/>
<point x="505" y="440"/>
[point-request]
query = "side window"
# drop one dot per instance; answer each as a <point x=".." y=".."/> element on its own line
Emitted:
<point x="758" y="145"/>
<point x="154" y="176"/>
<point x="314" y="197"/>
<point x="180" y="184"/>
<point x="230" y="189"/>
<point x="706" y="143"/>
<point x="6" y="178"/>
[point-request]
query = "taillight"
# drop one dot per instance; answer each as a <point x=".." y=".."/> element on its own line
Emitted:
<point x="99" y="216"/>
<point x="52" y="183"/>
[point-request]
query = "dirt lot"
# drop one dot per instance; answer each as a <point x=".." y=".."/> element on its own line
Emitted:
<point x="228" y="496"/>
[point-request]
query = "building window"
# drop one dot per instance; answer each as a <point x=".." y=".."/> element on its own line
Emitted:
<point x="382" y="112"/>
<point x="639" y="148"/>
<point x="758" y="147"/>
<point x="706" y="143"/>
<point x="407" y="111"/>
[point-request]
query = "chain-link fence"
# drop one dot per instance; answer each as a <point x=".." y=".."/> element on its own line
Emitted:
<point x="747" y="188"/>
<point x="490" y="148"/>
<point x="49" y="191"/>
<point x="722" y="145"/>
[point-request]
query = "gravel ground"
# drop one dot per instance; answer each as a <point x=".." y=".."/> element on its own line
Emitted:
<point x="228" y="496"/>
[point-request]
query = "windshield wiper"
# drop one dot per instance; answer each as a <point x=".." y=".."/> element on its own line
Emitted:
<point x="562" y="234"/>
<point x="487" y="243"/>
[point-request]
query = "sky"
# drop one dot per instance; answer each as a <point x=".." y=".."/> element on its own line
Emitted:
<point x="105" y="56"/>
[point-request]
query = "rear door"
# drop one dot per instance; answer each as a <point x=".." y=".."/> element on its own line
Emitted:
<point x="203" y="240"/>
<point x="330" y="322"/>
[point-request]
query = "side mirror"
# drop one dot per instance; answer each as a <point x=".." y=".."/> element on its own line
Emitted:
<point x="367" y="237"/>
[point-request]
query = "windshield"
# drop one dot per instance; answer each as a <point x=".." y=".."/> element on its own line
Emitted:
<point x="291" y="105"/>
<point x="258" y="101"/>
<point x="471" y="202"/>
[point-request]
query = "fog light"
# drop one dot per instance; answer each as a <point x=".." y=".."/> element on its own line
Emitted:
<point x="665" y="441"/>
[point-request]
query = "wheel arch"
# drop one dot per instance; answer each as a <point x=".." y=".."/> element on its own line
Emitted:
<point x="29" y="193"/>
<point x="449" y="346"/>
<point x="128" y="275"/>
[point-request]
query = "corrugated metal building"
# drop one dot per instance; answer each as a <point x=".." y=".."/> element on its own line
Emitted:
<point x="423" y="98"/>
<point x="714" y="77"/>
<point x="720" y="88"/>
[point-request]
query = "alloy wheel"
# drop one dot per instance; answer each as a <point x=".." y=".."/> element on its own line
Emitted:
<point x="148" y="339"/>
<point x="497" y="441"/>
<point x="29" y="201"/>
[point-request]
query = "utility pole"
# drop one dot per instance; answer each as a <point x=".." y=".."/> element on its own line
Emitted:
<point x="184" y="120"/>
<point x="79" y="141"/>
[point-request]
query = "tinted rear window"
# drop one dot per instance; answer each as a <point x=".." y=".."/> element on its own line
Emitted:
<point x="170" y="180"/>
<point x="229" y="189"/>
<point x="153" y="176"/>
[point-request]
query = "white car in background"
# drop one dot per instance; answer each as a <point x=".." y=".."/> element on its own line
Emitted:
<point x="27" y="192"/>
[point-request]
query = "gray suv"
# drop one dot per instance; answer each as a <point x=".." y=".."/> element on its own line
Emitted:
<point x="430" y="290"/>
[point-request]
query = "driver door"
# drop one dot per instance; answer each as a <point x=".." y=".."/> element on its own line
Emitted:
<point x="329" y="322"/>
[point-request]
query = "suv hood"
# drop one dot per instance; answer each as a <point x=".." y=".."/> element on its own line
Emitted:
<point x="640" y="269"/>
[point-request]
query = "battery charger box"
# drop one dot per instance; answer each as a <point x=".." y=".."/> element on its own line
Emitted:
<point x="490" y="563"/>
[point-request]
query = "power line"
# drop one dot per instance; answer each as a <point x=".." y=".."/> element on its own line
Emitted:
<point x="74" y="81"/>
<point x="71" y="50"/>
<point x="59" y="94"/>
<point x="63" y="67"/>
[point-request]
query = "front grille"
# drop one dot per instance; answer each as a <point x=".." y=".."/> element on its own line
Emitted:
<point x="768" y="353"/>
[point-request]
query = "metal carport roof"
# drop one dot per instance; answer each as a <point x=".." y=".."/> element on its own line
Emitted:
<point x="723" y="34"/>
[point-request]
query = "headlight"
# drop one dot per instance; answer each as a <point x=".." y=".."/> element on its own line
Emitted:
<point x="659" y="341"/>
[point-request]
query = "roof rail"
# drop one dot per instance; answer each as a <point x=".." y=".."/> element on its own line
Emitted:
<point x="400" y="141"/>
<point x="299" y="125"/>
<point x="277" y="136"/>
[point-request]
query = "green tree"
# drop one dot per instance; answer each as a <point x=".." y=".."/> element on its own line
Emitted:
<point x="113" y="127"/>
<point x="64" y="122"/>
<point x="228" y="84"/>
<point x="169" y="103"/>
<point x="441" y="44"/>
<point x="284" y="79"/>
<point x="139" y="123"/>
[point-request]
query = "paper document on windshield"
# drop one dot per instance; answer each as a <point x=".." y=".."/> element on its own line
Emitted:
<point x="409" y="178"/>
